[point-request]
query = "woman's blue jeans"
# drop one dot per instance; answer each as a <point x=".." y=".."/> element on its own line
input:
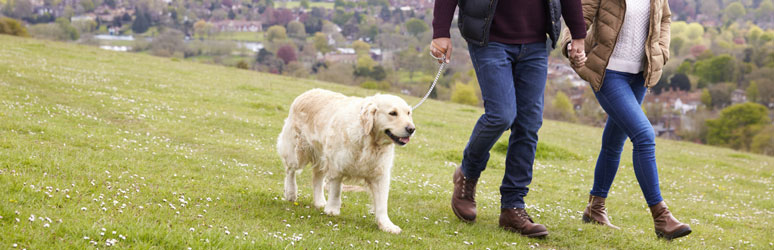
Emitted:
<point x="512" y="79"/>
<point x="621" y="97"/>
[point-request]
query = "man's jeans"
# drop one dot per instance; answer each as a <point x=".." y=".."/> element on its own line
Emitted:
<point x="512" y="80"/>
<point x="621" y="97"/>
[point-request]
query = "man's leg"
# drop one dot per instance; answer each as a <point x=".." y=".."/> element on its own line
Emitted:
<point x="493" y="65"/>
<point x="493" y="69"/>
<point x="529" y="72"/>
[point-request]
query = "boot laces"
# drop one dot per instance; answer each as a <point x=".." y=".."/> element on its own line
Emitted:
<point x="468" y="189"/>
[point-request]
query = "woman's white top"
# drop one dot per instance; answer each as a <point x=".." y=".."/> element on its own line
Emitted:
<point x="629" y="52"/>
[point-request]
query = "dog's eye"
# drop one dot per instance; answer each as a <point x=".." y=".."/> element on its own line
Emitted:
<point x="393" y="113"/>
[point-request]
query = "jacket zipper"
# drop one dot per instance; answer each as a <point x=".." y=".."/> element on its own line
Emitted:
<point x="488" y="20"/>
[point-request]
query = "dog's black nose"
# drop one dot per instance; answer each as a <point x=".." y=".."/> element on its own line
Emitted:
<point x="410" y="129"/>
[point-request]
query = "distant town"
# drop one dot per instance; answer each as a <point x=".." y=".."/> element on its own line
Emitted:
<point x="722" y="53"/>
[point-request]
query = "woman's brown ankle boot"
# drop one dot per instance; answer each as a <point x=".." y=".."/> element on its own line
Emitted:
<point x="596" y="212"/>
<point x="667" y="226"/>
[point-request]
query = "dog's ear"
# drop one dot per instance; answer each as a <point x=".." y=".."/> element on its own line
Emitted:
<point x="367" y="115"/>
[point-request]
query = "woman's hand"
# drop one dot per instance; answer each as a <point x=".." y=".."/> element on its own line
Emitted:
<point x="576" y="51"/>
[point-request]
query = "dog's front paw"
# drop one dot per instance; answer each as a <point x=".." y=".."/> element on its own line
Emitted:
<point x="291" y="196"/>
<point x="332" y="211"/>
<point x="319" y="204"/>
<point x="390" y="228"/>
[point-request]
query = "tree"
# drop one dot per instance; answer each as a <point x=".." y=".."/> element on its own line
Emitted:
<point x="737" y="125"/>
<point x="287" y="53"/>
<point x="321" y="43"/>
<point x="361" y="48"/>
<point x="218" y="15"/>
<point x="694" y="31"/>
<point x="720" y="68"/>
<point x="12" y="27"/>
<point x="763" y="142"/>
<point x="231" y="14"/>
<point x="276" y="33"/>
<point x="296" y="29"/>
<point x="22" y="9"/>
<point x="415" y="26"/>
<point x="87" y="5"/>
<point x="676" y="44"/>
<point x="305" y="4"/>
<point x="68" y="28"/>
<point x="721" y="94"/>
<point x="202" y="28"/>
<point x="706" y="98"/>
<point x="733" y="11"/>
<point x="464" y="94"/>
<point x="563" y="107"/>
<point x="765" y="11"/>
<point x="685" y="67"/>
<point x="314" y="21"/>
<point x="168" y="43"/>
<point x="141" y="22"/>
<point x="680" y="81"/>
<point x="752" y="92"/>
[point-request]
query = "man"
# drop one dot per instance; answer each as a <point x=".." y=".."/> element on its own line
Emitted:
<point x="509" y="50"/>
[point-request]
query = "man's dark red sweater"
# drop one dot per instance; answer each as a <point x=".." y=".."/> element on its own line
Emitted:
<point x="515" y="21"/>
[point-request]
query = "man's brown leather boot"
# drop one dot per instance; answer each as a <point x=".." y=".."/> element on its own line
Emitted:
<point x="517" y="220"/>
<point x="463" y="200"/>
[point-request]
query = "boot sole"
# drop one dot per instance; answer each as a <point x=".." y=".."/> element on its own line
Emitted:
<point x="675" y="235"/>
<point x="460" y="217"/>
<point x="532" y="235"/>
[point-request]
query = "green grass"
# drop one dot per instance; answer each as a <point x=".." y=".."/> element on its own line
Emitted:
<point x="238" y="36"/>
<point x="296" y="4"/>
<point x="172" y="154"/>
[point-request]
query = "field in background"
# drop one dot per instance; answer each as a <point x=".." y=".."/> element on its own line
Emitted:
<point x="100" y="147"/>
<point x="296" y="4"/>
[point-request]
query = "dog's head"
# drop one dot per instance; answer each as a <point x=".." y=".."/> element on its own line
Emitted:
<point x="388" y="119"/>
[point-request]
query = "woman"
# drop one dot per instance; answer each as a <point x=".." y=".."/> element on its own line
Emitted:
<point x="627" y="46"/>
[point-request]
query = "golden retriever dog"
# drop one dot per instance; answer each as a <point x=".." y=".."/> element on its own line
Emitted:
<point x="344" y="137"/>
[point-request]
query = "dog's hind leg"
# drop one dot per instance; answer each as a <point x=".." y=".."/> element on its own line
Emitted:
<point x="380" y="189"/>
<point x="318" y="179"/>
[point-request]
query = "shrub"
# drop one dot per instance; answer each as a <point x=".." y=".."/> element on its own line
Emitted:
<point x="51" y="31"/>
<point x="737" y="125"/>
<point x="242" y="64"/>
<point x="464" y="94"/>
<point x="381" y="85"/>
<point x="12" y="27"/>
<point x="168" y="43"/>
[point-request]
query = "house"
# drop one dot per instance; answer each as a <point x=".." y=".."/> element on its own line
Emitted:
<point x="86" y="17"/>
<point x="738" y="96"/>
<point x="340" y="58"/>
<point x="238" y="26"/>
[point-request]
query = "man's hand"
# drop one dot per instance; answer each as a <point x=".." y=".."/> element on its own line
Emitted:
<point x="576" y="51"/>
<point x="441" y="46"/>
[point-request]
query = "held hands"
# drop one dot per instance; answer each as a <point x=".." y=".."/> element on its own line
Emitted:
<point x="577" y="53"/>
<point x="441" y="46"/>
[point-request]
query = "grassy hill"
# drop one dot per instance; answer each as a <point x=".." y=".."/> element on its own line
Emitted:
<point x="97" y="146"/>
